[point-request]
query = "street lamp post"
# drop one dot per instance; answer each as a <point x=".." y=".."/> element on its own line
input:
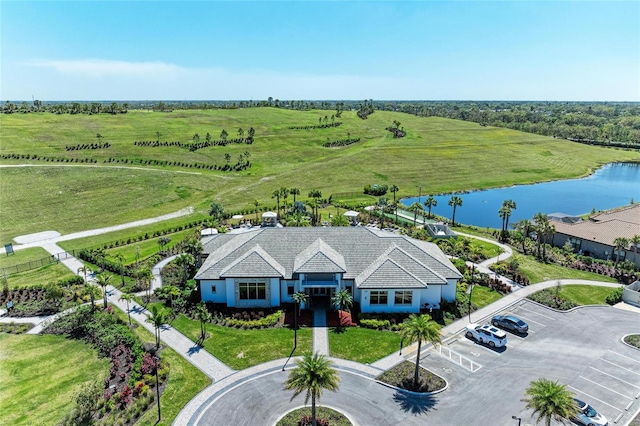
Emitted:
<point x="473" y="269"/>
<point x="519" y="419"/>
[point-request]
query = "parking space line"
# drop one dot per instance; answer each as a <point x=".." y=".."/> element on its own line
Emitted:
<point x="537" y="313"/>
<point x="530" y="320"/>
<point x="611" y="375"/>
<point x="624" y="356"/>
<point x="591" y="396"/>
<point x="619" y="366"/>
<point x="604" y="387"/>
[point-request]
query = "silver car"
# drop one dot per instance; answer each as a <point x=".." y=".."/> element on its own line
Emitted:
<point x="588" y="416"/>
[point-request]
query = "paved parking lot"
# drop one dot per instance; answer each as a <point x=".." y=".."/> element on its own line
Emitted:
<point x="582" y="349"/>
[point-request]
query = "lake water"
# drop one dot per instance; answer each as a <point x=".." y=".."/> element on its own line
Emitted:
<point x="610" y="186"/>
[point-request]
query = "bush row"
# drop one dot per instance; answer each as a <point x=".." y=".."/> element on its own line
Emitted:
<point x="340" y="142"/>
<point x="377" y="190"/>
<point x="317" y="126"/>
<point x="265" y="322"/>
<point x="48" y="159"/>
<point x="78" y="147"/>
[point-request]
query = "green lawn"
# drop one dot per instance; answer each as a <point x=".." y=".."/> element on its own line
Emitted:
<point x="538" y="272"/>
<point x="483" y="296"/>
<point x="23" y="257"/>
<point x="41" y="376"/>
<point x="240" y="349"/>
<point x="585" y="294"/>
<point x="185" y="382"/>
<point x="39" y="276"/>
<point x="70" y="197"/>
<point x="362" y="344"/>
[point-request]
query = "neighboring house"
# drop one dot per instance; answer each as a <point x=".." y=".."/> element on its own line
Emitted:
<point x="384" y="272"/>
<point x="594" y="237"/>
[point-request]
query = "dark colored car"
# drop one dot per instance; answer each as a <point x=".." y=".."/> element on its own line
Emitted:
<point x="509" y="322"/>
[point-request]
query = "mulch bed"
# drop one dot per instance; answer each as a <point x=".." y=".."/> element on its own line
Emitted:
<point x="401" y="376"/>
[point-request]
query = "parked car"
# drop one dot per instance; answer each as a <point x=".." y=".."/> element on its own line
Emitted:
<point x="510" y="322"/>
<point x="588" y="416"/>
<point x="488" y="334"/>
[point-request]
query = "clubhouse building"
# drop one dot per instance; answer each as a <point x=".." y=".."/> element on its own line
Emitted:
<point x="385" y="272"/>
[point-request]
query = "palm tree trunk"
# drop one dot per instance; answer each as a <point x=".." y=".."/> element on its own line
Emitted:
<point x="417" y="371"/>
<point x="313" y="410"/>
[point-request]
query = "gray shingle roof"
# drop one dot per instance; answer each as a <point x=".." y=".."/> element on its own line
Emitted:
<point x="254" y="263"/>
<point x="319" y="257"/>
<point x="359" y="248"/>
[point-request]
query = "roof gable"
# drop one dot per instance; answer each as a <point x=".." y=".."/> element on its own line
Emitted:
<point x="254" y="263"/>
<point x="319" y="257"/>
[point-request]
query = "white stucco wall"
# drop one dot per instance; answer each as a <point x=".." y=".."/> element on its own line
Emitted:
<point x="390" y="306"/>
<point x="449" y="291"/>
<point x="275" y="291"/>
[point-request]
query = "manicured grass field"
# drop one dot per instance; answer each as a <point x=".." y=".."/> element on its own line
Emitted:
<point x="40" y="276"/>
<point x="538" y="272"/>
<point x="362" y="344"/>
<point x="483" y="296"/>
<point x="185" y="382"/>
<point x="30" y="267"/>
<point x="585" y="294"/>
<point x="439" y="154"/>
<point x="41" y="376"/>
<point x="240" y="349"/>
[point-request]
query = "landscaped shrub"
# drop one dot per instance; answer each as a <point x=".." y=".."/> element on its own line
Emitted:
<point x="247" y="323"/>
<point x="550" y="298"/>
<point x="615" y="296"/>
<point x="375" y="324"/>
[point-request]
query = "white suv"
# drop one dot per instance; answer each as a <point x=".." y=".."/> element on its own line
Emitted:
<point x="488" y="334"/>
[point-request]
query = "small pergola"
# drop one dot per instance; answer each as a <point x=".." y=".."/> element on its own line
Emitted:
<point x="269" y="219"/>
<point x="352" y="216"/>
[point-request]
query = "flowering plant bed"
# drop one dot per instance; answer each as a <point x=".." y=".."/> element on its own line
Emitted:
<point x="324" y="417"/>
<point x="401" y="376"/>
<point x="339" y="319"/>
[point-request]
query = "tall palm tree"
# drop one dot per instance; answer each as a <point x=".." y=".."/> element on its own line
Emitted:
<point x="157" y="317"/>
<point x="504" y="213"/>
<point x="120" y="259"/>
<point x="298" y="298"/>
<point x="550" y="400"/>
<point x="316" y="195"/>
<point x="284" y="193"/>
<point x="429" y="203"/>
<point x="541" y="227"/>
<point x="382" y="202"/>
<point x="103" y="281"/>
<point x="416" y="208"/>
<point x="454" y="202"/>
<point x="635" y="242"/>
<point x="127" y="297"/>
<point x="313" y="374"/>
<point x="294" y="192"/>
<point x="510" y="205"/>
<point x="524" y="226"/>
<point x="420" y="328"/>
<point x="276" y="194"/>
<point x="84" y="270"/>
<point x="145" y="277"/>
<point x="393" y="190"/>
<point x="619" y="244"/>
<point x="342" y="300"/>
<point x="185" y="260"/>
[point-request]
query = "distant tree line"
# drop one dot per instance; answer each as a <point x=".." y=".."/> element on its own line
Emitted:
<point x="66" y="108"/>
<point x="79" y="147"/>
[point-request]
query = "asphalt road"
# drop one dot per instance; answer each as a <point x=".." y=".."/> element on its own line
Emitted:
<point x="582" y="349"/>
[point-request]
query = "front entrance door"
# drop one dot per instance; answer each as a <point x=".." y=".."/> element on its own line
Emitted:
<point x="320" y="297"/>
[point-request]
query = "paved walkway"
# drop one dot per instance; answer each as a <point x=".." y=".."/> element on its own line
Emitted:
<point x="320" y="332"/>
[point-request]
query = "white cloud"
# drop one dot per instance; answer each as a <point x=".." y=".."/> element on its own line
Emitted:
<point x="101" y="67"/>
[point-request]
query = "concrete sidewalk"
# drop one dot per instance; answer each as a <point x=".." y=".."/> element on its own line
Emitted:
<point x="320" y="332"/>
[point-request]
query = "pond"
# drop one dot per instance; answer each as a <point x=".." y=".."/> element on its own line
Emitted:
<point x="613" y="185"/>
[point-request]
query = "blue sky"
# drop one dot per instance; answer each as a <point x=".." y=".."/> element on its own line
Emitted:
<point x="410" y="50"/>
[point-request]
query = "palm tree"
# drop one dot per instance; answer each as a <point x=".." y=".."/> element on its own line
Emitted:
<point x="504" y="213"/>
<point x="163" y="241"/>
<point x="550" y="400"/>
<point x="128" y="297"/>
<point x="276" y="194"/>
<point x="419" y="328"/>
<point x="144" y="277"/>
<point x="382" y="202"/>
<point x="103" y="281"/>
<point x="393" y="190"/>
<point x="510" y="205"/>
<point x="294" y="192"/>
<point x="454" y="202"/>
<point x="216" y="211"/>
<point x="316" y="195"/>
<point x="172" y="291"/>
<point x="83" y="270"/>
<point x="544" y="229"/>
<point x="635" y="242"/>
<point x="429" y="203"/>
<point x="342" y="299"/>
<point x="185" y="260"/>
<point x="524" y="226"/>
<point x="619" y="244"/>
<point x="298" y="298"/>
<point x="313" y="374"/>
<point x="415" y="208"/>
<point x="120" y="259"/>
<point x="284" y="193"/>
<point x="157" y="317"/>
<point x="204" y="316"/>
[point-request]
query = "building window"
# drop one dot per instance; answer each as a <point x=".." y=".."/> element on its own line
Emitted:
<point x="290" y="290"/>
<point x="213" y="289"/>
<point x="575" y="244"/>
<point x="252" y="291"/>
<point x="404" y="298"/>
<point x="378" y="297"/>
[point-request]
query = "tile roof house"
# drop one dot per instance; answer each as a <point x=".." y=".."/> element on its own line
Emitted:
<point x="385" y="272"/>
<point x="594" y="237"/>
